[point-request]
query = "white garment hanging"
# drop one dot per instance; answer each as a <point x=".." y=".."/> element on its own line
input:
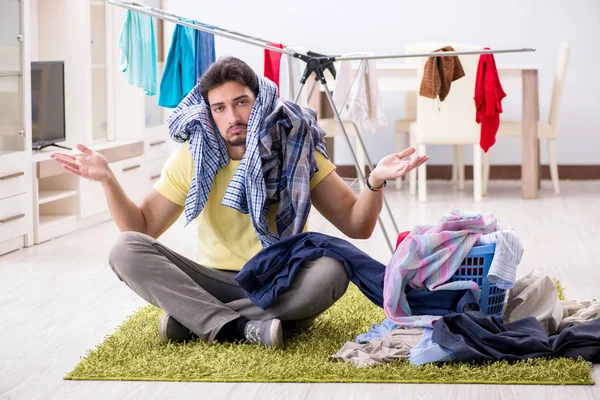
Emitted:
<point x="363" y="103"/>
<point x="290" y="73"/>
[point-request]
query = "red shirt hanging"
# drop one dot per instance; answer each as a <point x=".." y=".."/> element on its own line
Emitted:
<point x="272" y="61"/>
<point x="488" y="98"/>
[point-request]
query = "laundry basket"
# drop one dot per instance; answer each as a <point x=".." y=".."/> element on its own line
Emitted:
<point x="475" y="267"/>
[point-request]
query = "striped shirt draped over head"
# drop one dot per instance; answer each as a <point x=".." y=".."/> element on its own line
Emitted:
<point x="276" y="167"/>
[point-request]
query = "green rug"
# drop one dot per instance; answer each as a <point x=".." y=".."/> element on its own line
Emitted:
<point x="135" y="352"/>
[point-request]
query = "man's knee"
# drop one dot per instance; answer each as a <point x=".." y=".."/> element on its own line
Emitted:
<point x="123" y="256"/>
<point x="331" y="276"/>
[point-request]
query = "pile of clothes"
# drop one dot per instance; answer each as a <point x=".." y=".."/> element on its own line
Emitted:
<point x="535" y="323"/>
<point x="430" y="319"/>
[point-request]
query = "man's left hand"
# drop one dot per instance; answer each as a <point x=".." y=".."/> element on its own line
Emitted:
<point x="395" y="166"/>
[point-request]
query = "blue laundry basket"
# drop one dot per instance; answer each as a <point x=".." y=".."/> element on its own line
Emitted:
<point x="475" y="267"/>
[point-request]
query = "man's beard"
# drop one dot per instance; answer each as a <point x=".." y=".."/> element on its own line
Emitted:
<point x="238" y="141"/>
<point x="240" y="138"/>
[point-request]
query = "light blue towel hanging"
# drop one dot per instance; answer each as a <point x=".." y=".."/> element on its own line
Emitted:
<point x="179" y="76"/>
<point x="138" y="51"/>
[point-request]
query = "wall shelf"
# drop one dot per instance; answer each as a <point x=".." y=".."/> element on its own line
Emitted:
<point x="47" y="196"/>
<point x="47" y="221"/>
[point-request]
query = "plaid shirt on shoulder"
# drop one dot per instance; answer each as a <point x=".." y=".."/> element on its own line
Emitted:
<point x="276" y="167"/>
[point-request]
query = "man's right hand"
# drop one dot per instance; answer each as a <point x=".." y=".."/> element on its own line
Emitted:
<point x="90" y="164"/>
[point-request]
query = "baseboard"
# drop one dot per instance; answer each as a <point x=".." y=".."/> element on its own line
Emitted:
<point x="441" y="172"/>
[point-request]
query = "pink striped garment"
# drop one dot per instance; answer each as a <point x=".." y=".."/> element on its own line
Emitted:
<point x="427" y="258"/>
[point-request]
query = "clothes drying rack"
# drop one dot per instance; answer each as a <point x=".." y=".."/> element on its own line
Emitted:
<point x="315" y="63"/>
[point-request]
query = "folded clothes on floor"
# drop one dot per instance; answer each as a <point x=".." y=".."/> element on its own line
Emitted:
<point x="474" y="336"/>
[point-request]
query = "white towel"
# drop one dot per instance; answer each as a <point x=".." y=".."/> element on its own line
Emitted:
<point x="364" y="103"/>
<point x="509" y="251"/>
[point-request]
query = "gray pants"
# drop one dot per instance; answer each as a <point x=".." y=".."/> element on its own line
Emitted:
<point x="204" y="299"/>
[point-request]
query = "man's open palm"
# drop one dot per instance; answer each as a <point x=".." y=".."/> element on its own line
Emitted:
<point x="395" y="165"/>
<point x="90" y="165"/>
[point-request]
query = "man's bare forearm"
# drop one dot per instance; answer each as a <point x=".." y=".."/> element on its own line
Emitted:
<point x="126" y="214"/>
<point x="366" y="209"/>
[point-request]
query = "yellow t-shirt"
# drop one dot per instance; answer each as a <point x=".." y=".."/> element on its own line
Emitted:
<point x="226" y="237"/>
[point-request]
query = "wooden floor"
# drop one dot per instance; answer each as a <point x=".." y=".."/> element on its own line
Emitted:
<point x="60" y="299"/>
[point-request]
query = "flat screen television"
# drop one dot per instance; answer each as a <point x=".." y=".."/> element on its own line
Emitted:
<point x="47" y="103"/>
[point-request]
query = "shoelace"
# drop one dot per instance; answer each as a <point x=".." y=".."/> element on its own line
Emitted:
<point x="252" y="333"/>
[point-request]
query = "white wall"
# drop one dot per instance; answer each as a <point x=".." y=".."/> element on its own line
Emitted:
<point x="386" y="26"/>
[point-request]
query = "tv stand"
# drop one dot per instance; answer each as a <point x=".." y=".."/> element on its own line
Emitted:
<point x="52" y="144"/>
<point x="64" y="203"/>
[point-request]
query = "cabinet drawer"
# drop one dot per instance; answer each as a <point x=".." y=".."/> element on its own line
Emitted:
<point x="12" y="175"/>
<point x="13" y="217"/>
<point x="154" y="169"/>
<point x="157" y="148"/>
<point x="92" y="199"/>
<point x="132" y="176"/>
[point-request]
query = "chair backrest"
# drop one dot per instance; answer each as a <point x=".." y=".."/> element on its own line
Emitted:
<point x="453" y="120"/>
<point x="557" y="88"/>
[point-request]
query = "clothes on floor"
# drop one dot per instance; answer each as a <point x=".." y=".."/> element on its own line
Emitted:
<point x="424" y="302"/>
<point x="269" y="274"/>
<point x="272" y="64"/>
<point x="507" y="257"/>
<point x="426" y="351"/>
<point x="474" y="336"/>
<point x="253" y="188"/>
<point x="226" y="238"/>
<point x="578" y="312"/>
<point x="179" y="76"/>
<point x="488" y="100"/>
<point x="205" y="299"/>
<point x="439" y="74"/>
<point x="377" y="331"/>
<point x="138" y="51"/>
<point x="397" y="344"/>
<point x="364" y="104"/>
<point x="428" y="258"/>
<point x="534" y="295"/>
<point x="205" y="52"/>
